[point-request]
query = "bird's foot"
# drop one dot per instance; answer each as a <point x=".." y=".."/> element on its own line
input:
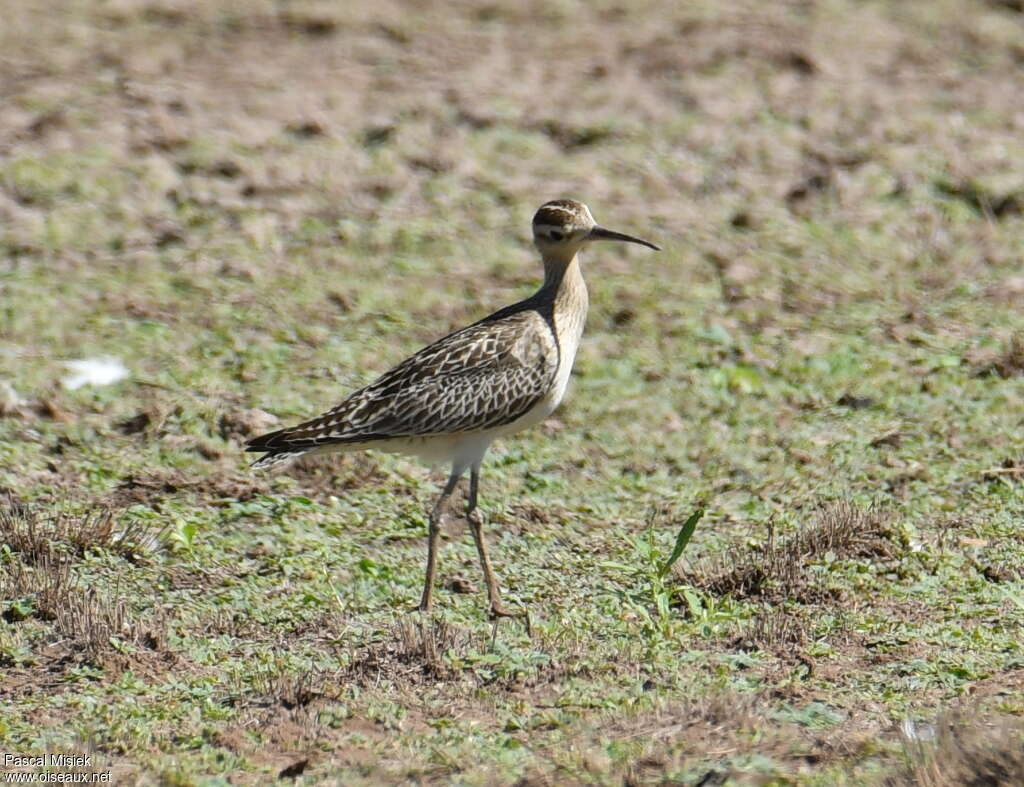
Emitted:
<point x="500" y="611"/>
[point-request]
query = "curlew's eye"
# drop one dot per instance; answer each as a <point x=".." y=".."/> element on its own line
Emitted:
<point x="557" y="235"/>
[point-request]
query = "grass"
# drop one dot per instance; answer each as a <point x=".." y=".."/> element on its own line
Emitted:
<point x="257" y="209"/>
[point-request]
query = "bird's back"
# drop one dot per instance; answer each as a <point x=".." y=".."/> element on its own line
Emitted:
<point x="484" y="376"/>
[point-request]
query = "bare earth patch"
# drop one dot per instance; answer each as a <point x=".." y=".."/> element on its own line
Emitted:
<point x="257" y="207"/>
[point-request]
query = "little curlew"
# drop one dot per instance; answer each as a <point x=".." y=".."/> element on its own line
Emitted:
<point x="452" y="399"/>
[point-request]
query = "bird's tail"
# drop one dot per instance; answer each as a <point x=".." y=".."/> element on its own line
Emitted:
<point x="278" y="450"/>
<point x="275" y="458"/>
<point x="285" y="444"/>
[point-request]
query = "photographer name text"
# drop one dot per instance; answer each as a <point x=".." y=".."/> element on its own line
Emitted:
<point x="48" y="761"/>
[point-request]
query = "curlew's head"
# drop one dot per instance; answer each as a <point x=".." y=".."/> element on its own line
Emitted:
<point x="562" y="226"/>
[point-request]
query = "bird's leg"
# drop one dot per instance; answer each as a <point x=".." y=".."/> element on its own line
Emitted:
<point x="432" y="539"/>
<point x="476" y="523"/>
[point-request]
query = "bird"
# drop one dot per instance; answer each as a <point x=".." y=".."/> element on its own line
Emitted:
<point x="451" y="400"/>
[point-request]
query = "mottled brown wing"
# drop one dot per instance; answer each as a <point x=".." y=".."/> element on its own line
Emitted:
<point x="483" y="376"/>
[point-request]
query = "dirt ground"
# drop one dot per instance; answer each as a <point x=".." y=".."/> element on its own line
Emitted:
<point x="258" y="206"/>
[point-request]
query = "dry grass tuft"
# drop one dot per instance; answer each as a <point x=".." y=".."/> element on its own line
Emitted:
<point x="779" y="571"/>
<point x="412" y="652"/>
<point x="38" y="534"/>
<point x="777" y="631"/>
<point x="93" y="623"/>
<point x="291" y="690"/>
<point x="965" y="754"/>
<point x="47" y="584"/>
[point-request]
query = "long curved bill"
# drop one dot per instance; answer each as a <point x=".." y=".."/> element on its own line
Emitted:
<point x="600" y="233"/>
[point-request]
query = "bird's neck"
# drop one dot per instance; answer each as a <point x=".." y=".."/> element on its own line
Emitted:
<point x="565" y="289"/>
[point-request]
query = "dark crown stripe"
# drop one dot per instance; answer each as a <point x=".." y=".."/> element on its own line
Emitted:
<point x="556" y="213"/>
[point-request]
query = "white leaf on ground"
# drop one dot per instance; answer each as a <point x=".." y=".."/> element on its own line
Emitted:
<point x="94" y="371"/>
